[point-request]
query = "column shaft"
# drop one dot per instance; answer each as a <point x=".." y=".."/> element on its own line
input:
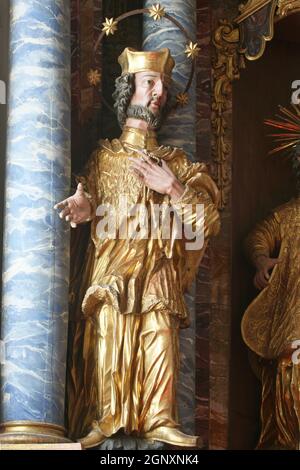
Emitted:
<point x="179" y="131"/>
<point x="36" y="242"/>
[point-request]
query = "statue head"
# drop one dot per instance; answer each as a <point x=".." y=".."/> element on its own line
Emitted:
<point x="142" y="91"/>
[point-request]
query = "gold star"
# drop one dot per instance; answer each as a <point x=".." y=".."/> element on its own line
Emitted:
<point x="110" y="26"/>
<point x="192" y="50"/>
<point x="94" y="77"/>
<point x="182" y="99"/>
<point x="157" y="12"/>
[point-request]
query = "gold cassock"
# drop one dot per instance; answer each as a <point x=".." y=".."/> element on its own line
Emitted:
<point x="272" y="323"/>
<point x="123" y="352"/>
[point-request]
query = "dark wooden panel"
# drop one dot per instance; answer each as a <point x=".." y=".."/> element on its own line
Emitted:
<point x="259" y="184"/>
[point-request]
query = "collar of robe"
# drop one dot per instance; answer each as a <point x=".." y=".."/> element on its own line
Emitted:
<point x="139" y="138"/>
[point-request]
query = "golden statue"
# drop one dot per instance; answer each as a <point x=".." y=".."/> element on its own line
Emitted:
<point x="271" y="323"/>
<point x="124" y="356"/>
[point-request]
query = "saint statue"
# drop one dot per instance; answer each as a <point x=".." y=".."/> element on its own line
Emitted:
<point x="124" y="356"/>
<point x="271" y="323"/>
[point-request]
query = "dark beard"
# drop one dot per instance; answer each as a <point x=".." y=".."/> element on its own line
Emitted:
<point x="143" y="113"/>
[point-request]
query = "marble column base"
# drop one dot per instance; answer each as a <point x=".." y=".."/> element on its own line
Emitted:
<point x="27" y="432"/>
<point x="72" y="446"/>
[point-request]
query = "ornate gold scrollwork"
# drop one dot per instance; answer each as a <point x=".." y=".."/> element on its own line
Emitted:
<point x="226" y="69"/>
<point x="285" y="7"/>
<point x="230" y="58"/>
<point x="263" y="18"/>
<point x="251" y="7"/>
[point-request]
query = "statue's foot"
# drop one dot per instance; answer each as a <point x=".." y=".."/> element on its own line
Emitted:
<point x="173" y="436"/>
<point x="92" y="439"/>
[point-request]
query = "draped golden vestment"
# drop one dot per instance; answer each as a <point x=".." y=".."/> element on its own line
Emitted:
<point x="124" y="356"/>
<point x="272" y="322"/>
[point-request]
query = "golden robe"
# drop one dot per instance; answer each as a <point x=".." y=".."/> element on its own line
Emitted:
<point x="124" y="354"/>
<point x="272" y="322"/>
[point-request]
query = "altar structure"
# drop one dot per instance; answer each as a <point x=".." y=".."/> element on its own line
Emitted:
<point x="247" y="65"/>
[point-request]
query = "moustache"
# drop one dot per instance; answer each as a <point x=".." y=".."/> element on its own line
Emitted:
<point x="154" y="100"/>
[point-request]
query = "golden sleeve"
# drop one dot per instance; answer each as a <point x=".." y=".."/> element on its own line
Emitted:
<point x="200" y="190"/>
<point x="197" y="209"/>
<point x="265" y="239"/>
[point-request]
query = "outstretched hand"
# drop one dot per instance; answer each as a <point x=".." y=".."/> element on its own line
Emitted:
<point x="75" y="209"/>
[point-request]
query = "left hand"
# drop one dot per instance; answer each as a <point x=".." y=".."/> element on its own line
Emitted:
<point x="264" y="264"/>
<point x="159" y="178"/>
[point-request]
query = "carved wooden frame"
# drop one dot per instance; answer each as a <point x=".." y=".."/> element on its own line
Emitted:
<point x="229" y="60"/>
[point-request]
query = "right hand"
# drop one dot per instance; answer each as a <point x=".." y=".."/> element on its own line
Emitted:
<point x="264" y="265"/>
<point x="76" y="209"/>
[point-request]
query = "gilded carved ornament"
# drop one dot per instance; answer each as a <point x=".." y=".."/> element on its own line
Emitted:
<point x="229" y="59"/>
<point x="251" y="7"/>
<point x="226" y="68"/>
<point x="157" y="12"/>
<point x="286" y="7"/>
<point x="256" y="28"/>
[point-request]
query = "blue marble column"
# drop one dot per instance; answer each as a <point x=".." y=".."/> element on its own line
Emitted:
<point x="36" y="242"/>
<point x="179" y="131"/>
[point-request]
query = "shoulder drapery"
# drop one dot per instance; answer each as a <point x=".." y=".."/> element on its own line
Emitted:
<point x="272" y="321"/>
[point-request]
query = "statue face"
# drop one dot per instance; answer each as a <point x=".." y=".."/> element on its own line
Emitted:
<point x="150" y="91"/>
